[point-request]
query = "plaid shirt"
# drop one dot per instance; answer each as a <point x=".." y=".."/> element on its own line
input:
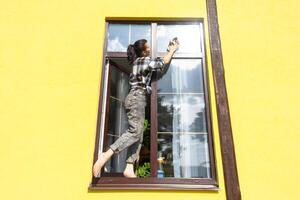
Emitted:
<point x="142" y="70"/>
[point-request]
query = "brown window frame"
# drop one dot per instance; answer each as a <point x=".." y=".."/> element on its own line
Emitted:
<point x="108" y="182"/>
<point x="230" y="173"/>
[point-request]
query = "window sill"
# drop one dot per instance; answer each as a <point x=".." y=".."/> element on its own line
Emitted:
<point x="117" y="183"/>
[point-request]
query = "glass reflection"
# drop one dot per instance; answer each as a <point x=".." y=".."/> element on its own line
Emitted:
<point x="117" y="119"/>
<point x="184" y="155"/>
<point x="119" y="84"/>
<point x="182" y="127"/>
<point x="188" y="36"/>
<point x="181" y="113"/>
<point x="117" y="37"/>
<point x="140" y="32"/>
<point x="183" y="76"/>
<point x="121" y="35"/>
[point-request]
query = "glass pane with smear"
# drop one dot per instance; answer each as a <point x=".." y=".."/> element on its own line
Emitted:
<point x="188" y="35"/>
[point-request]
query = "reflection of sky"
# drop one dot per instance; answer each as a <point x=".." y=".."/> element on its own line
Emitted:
<point x="186" y="64"/>
<point x="121" y="35"/>
<point x="188" y="36"/>
<point x="140" y="32"/>
<point x="115" y="45"/>
<point x="187" y="106"/>
<point x="184" y="75"/>
<point x="118" y="37"/>
<point x="178" y="101"/>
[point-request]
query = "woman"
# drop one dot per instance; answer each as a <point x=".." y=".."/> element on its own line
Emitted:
<point x="135" y="102"/>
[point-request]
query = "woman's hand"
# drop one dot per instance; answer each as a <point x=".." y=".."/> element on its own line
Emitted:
<point x="171" y="50"/>
<point x="173" y="47"/>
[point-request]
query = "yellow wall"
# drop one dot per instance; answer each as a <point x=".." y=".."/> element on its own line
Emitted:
<point x="50" y="66"/>
<point x="261" y="45"/>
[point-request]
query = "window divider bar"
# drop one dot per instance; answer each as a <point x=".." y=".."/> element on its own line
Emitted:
<point x="184" y="132"/>
<point x="153" y="110"/>
<point x="183" y="55"/>
<point x="106" y="115"/>
<point x="177" y="93"/>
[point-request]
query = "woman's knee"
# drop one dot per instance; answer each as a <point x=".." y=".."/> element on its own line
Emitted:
<point x="136" y="130"/>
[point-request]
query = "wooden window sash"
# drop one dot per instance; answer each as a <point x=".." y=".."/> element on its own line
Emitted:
<point x="154" y="182"/>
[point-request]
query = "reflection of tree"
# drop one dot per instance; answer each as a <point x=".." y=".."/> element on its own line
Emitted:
<point x="167" y="113"/>
<point x="165" y="122"/>
<point x="164" y="115"/>
<point x="198" y="124"/>
<point x="171" y="116"/>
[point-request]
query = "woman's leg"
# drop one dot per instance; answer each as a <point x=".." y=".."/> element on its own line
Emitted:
<point x="134" y="150"/>
<point x="129" y="171"/>
<point x="135" y="107"/>
<point x="132" y="156"/>
<point x="102" y="159"/>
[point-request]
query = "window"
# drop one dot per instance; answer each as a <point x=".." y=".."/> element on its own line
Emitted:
<point x="178" y="145"/>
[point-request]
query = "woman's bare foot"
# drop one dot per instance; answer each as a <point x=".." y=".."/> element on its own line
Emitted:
<point x="102" y="159"/>
<point x="129" y="171"/>
<point x="99" y="164"/>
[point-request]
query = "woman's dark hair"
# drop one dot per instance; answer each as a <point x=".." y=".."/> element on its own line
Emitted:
<point x="135" y="50"/>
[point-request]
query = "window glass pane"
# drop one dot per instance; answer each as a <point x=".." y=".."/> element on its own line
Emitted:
<point x="183" y="155"/>
<point x="118" y="37"/>
<point x="117" y="119"/>
<point x="116" y="116"/>
<point x="119" y="84"/>
<point x="183" y="76"/>
<point x="182" y="126"/>
<point x="121" y="35"/>
<point x="123" y="62"/>
<point x="188" y="35"/>
<point x="181" y="113"/>
<point x="140" y="32"/>
<point x="182" y="137"/>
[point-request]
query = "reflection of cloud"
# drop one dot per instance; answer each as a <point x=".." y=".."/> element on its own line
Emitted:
<point x="184" y="74"/>
<point x="186" y="64"/>
<point x="192" y="100"/>
<point x="138" y="32"/>
<point x="188" y="36"/>
<point x="115" y="45"/>
<point x="161" y="31"/>
<point x="148" y="34"/>
<point x="187" y="106"/>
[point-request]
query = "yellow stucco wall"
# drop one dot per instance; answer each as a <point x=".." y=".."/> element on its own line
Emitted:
<point x="261" y="45"/>
<point x="50" y="66"/>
